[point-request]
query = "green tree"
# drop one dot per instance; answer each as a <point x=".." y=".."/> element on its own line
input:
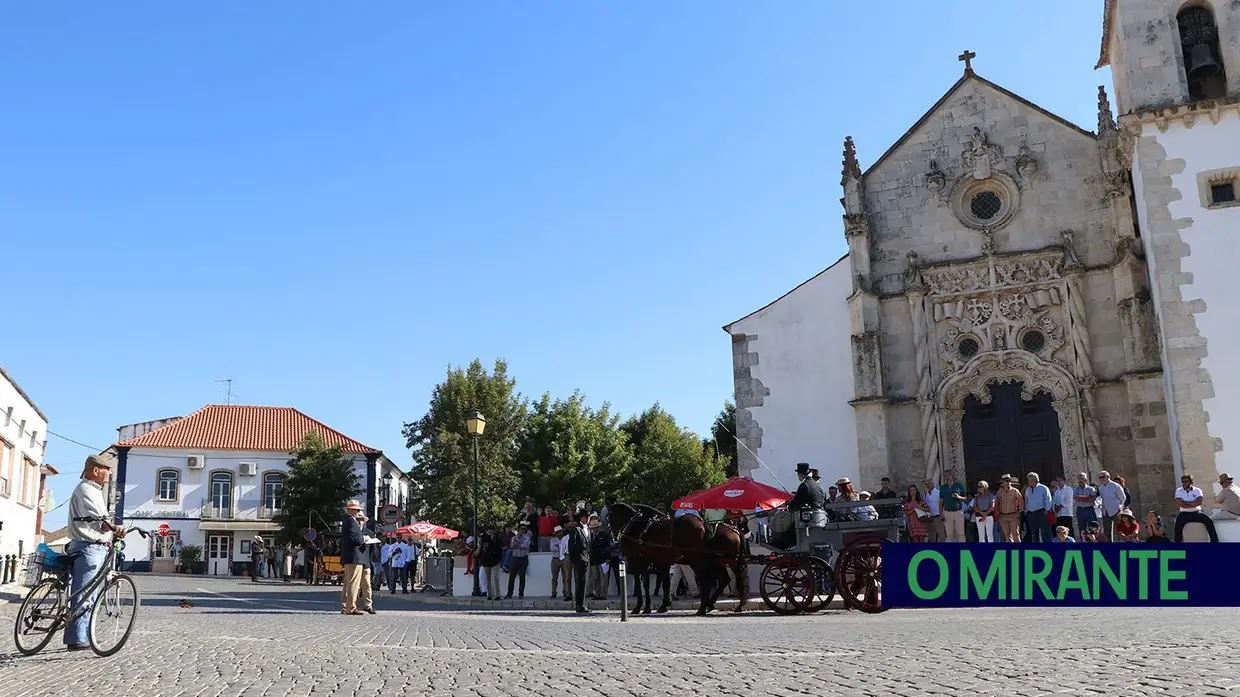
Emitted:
<point x="570" y="452"/>
<point x="443" y="455"/>
<point x="723" y="438"/>
<point x="320" y="481"/>
<point x="668" y="461"/>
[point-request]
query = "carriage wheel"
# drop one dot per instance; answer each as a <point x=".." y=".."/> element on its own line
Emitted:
<point x="824" y="585"/>
<point x="787" y="585"/>
<point x="859" y="575"/>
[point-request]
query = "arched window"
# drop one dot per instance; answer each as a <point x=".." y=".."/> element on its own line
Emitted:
<point x="169" y="486"/>
<point x="273" y="492"/>
<point x="1203" y="62"/>
<point x="222" y="493"/>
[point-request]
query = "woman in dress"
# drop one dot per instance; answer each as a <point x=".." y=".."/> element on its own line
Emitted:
<point x="914" y="508"/>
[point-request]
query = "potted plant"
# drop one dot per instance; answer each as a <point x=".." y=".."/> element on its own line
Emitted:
<point x="191" y="559"/>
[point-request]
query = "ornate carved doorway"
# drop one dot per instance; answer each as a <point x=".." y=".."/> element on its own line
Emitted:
<point x="1010" y="435"/>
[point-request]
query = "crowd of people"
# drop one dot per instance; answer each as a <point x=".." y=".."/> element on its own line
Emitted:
<point x="1031" y="511"/>
<point x="584" y="554"/>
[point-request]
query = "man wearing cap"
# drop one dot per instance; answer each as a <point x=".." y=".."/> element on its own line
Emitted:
<point x="1228" y="497"/>
<point x="355" y="559"/>
<point x="1008" y="505"/>
<point x="90" y="535"/>
<point x="809" y="497"/>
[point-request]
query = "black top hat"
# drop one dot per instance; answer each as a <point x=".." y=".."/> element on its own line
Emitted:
<point x="802" y="468"/>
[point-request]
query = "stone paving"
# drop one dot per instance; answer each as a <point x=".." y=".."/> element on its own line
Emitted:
<point x="276" y="640"/>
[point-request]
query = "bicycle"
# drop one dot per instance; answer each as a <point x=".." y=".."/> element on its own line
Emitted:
<point x="47" y="608"/>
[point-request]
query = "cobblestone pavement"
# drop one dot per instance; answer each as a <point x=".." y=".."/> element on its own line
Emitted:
<point x="274" y="640"/>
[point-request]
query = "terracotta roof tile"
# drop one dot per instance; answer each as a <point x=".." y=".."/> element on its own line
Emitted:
<point x="239" y="427"/>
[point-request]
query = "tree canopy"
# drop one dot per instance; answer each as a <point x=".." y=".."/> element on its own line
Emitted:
<point x="319" y="482"/>
<point x="570" y="452"/>
<point x="443" y="449"/>
<point x="551" y="452"/>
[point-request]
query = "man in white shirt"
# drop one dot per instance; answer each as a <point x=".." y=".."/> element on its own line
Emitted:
<point x="1188" y="499"/>
<point x="1111" y="494"/>
<point x="90" y="535"/>
<point x="935" y="529"/>
<point x="400" y="563"/>
<point x="1065" y="505"/>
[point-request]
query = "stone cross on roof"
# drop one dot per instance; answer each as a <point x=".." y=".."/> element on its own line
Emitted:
<point x="967" y="57"/>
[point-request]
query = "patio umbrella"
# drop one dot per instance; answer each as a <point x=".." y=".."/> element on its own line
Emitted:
<point x="428" y="530"/>
<point x="738" y="493"/>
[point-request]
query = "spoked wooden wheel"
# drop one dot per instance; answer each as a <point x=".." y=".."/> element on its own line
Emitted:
<point x="859" y="575"/>
<point x="787" y="585"/>
<point x="824" y="585"/>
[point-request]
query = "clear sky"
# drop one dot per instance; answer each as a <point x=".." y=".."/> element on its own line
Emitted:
<point x="331" y="202"/>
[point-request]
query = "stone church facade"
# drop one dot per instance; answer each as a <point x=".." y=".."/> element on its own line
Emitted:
<point x="999" y="312"/>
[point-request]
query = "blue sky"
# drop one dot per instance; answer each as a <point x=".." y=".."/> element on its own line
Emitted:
<point x="330" y="203"/>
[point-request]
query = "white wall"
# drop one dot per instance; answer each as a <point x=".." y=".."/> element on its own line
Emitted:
<point x="805" y="360"/>
<point x="144" y="510"/>
<point x="24" y="434"/>
<point x="1213" y="262"/>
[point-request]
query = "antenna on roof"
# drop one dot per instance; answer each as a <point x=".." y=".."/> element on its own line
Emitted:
<point x="229" y="396"/>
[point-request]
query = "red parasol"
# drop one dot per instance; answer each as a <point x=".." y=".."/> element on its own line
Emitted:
<point x="738" y="493"/>
<point x="428" y="530"/>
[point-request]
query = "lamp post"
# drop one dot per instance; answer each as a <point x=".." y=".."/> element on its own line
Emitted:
<point x="475" y="424"/>
<point x="387" y="489"/>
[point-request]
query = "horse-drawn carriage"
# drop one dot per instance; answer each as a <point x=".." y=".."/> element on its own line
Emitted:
<point x="799" y="574"/>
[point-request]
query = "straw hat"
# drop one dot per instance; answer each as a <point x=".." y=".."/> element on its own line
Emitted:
<point x="353" y="505"/>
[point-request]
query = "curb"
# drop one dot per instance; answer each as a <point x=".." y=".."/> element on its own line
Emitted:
<point x="471" y="603"/>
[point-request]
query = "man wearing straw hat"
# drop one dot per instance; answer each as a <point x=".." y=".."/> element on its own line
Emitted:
<point x="355" y="559"/>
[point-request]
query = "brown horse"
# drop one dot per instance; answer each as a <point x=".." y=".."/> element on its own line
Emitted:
<point x="649" y="539"/>
<point x="724" y="549"/>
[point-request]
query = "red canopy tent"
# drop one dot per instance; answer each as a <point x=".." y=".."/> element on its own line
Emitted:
<point x="738" y="493"/>
<point x="428" y="530"/>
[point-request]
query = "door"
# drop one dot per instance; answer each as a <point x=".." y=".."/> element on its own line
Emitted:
<point x="218" y="548"/>
<point x="164" y="552"/>
<point x="1010" y="436"/>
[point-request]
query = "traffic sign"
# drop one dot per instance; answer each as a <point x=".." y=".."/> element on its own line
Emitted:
<point x="390" y="514"/>
<point x="310" y="534"/>
<point x="164" y="529"/>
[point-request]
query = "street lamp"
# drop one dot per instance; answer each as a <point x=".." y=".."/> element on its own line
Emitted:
<point x="475" y="424"/>
<point x="387" y="489"/>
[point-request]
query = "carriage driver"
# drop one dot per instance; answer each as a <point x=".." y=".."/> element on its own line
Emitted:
<point x="809" y="497"/>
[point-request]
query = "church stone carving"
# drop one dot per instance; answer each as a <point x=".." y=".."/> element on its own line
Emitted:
<point x="936" y="180"/>
<point x="1026" y="163"/>
<point x="981" y="157"/>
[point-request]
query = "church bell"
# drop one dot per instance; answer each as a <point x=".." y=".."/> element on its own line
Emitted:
<point x="1201" y="63"/>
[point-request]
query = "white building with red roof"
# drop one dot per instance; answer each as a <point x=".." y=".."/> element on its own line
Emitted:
<point x="216" y="478"/>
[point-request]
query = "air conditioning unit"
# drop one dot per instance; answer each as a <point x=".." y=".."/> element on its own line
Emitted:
<point x="249" y="469"/>
<point x="194" y="462"/>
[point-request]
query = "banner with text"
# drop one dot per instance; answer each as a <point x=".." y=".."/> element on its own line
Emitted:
<point x="976" y="575"/>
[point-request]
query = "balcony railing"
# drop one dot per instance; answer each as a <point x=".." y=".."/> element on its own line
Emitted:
<point x="238" y="510"/>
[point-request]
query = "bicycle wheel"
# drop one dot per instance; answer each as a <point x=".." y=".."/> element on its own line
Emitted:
<point x="113" y="615"/>
<point x="39" y="617"/>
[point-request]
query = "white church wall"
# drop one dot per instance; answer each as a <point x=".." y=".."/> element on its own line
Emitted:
<point x="1206" y="280"/>
<point x="793" y="364"/>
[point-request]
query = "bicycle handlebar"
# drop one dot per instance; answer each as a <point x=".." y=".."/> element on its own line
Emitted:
<point x="101" y="519"/>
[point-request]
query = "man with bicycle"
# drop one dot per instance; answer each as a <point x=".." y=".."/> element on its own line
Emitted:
<point x="89" y="541"/>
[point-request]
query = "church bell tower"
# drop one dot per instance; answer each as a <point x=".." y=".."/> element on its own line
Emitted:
<point x="1175" y="65"/>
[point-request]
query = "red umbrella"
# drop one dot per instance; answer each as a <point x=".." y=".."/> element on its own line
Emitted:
<point x="738" y="493"/>
<point x="428" y="530"/>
